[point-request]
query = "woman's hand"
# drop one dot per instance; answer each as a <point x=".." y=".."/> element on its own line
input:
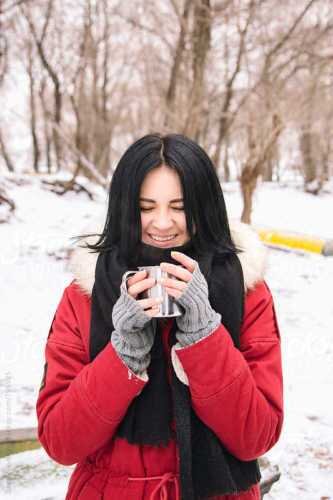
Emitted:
<point x="190" y="290"/>
<point x="138" y="283"/>
<point x="134" y="332"/>
<point x="175" y="287"/>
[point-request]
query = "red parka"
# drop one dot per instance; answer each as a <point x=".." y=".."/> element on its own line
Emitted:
<point x="236" y="392"/>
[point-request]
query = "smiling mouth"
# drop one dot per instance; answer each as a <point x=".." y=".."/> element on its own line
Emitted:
<point x="162" y="238"/>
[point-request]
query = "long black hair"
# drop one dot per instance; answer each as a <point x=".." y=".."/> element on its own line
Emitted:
<point x="204" y="203"/>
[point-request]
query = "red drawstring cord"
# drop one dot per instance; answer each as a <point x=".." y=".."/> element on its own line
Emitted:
<point x="161" y="486"/>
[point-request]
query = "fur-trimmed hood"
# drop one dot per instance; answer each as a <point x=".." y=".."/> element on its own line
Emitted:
<point x="254" y="258"/>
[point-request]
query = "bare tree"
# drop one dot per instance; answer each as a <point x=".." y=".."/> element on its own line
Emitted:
<point x="230" y="81"/>
<point x="253" y="167"/>
<point x="52" y="72"/>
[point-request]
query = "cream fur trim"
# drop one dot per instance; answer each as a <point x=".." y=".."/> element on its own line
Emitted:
<point x="177" y="365"/>
<point x="254" y="259"/>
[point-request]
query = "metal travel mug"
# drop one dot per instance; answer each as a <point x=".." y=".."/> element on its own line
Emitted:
<point x="168" y="307"/>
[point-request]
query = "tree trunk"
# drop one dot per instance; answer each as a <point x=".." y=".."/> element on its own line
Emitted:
<point x="308" y="141"/>
<point x="170" y="102"/>
<point x="309" y="165"/>
<point x="326" y="169"/>
<point x="226" y="169"/>
<point x="248" y="183"/>
<point x="200" y="48"/>
<point x="33" y="117"/>
<point x="268" y="170"/>
<point x="47" y="137"/>
<point x="5" y="154"/>
<point x="57" y="119"/>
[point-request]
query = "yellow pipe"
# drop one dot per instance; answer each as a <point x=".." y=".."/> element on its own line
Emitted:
<point x="297" y="241"/>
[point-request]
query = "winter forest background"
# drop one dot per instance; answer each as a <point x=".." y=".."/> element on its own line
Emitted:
<point x="251" y="81"/>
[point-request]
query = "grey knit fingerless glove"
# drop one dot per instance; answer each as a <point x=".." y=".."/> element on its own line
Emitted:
<point x="199" y="318"/>
<point x="134" y="332"/>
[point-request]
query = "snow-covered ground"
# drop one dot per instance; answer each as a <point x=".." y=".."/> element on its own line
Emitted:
<point x="34" y="274"/>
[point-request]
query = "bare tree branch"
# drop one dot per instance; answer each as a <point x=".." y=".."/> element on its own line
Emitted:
<point x="4" y="9"/>
<point x="88" y="165"/>
<point x="223" y="121"/>
<point x="39" y="41"/>
<point x="286" y="36"/>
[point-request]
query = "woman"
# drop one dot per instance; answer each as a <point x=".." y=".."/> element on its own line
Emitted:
<point x="164" y="409"/>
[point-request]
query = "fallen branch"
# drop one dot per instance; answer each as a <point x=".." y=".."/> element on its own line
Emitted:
<point x="15" y="435"/>
<point x="62" y="187"/>
<point x="266" y="485"/>
<point x="5" y="200"/>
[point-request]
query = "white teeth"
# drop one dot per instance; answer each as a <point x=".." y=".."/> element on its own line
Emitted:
<point x="167" y="238"/>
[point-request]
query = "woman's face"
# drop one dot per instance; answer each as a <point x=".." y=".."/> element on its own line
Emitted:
<point x="163" y="219"/>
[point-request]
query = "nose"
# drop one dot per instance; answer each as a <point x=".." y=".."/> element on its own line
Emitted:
<point x="162" y="221"/>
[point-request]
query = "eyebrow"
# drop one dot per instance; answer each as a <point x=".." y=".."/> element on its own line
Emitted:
<point x="177" y="200"/>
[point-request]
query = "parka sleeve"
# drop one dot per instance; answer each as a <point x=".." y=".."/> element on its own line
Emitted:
<point x="80" y="403"/>
<point x="238" y="393"/>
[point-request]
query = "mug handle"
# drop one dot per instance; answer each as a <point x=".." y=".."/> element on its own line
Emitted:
<point x="126" y="275"/>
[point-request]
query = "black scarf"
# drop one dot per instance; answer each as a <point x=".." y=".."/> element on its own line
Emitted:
<point x="206" y="467"/>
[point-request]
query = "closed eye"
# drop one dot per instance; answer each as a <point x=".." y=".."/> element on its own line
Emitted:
<point x="143" y="209"/>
